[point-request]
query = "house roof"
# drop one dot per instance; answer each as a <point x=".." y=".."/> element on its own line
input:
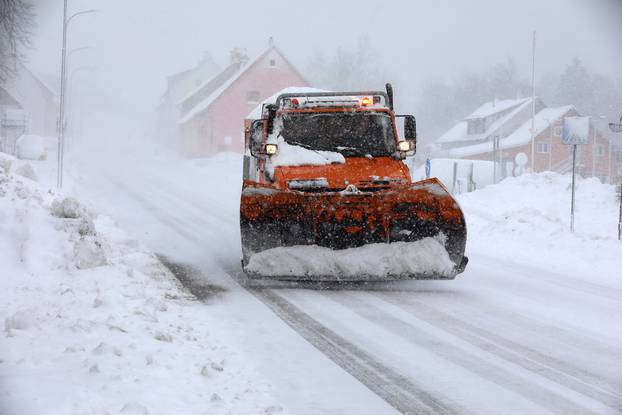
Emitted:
<point x="459" y="132"/>
<point x="223" y="86"/>
<point x="214" y="82"/>
<point x="520" y="137"/>
<point x="495" y="106"/>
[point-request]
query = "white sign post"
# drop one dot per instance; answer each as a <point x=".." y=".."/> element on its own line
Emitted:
<point x="617" y="128"/>
<point x="576" y="132"/>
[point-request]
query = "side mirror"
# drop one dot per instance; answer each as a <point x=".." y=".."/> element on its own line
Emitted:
<point x="410" y="128"/>
<point x="271" y="110"/>
<point x="255" y="137"/>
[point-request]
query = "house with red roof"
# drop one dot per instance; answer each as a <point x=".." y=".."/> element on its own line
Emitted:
<point x="509" y="122"/>
<point x="212" y="114"/>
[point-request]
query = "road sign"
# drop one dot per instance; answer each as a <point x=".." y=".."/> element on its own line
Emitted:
<point x="576" y="130"/>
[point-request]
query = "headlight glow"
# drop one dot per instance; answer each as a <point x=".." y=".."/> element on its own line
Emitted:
<point x="271" y="149"/>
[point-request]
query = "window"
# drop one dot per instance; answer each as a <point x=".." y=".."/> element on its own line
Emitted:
<point x="599" y="150"/>
<point x="476" y="126"/>
<point x="273" y="63"/>
<point x="543" y="148"/>
<point x="252" y="97"/>
<point x="354" y="134"/>
<point x="557" y="131"/>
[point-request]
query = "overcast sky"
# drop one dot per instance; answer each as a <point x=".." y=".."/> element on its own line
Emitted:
<point x="136" y="43"/>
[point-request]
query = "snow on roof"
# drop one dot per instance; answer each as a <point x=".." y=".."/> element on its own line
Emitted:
<point x="459" y="132"/>
<point x="213" y="79"/>
<point x="202" y="106"/>
<point x="255" y="114"/>
<point x="496" y="106"/>
<point x="519" y="137"/>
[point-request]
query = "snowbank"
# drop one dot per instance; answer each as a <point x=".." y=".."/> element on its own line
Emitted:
<point x="34" y="147"/>
<point x="373" y="261"/>
<point x="526" y="219"/>
<point x="93" y="323"/>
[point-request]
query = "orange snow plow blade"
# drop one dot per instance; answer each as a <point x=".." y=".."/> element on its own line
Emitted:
<point x="406" y="213"/>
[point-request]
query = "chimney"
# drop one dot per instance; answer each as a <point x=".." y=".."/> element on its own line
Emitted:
<point x="239" y="56"/>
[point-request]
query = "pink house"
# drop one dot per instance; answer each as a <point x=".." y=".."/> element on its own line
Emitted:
<point x="212" y="115"/>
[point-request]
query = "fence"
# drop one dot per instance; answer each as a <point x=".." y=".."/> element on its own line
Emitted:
<point x="13" y="123"/>
<point x="461" y="176"/>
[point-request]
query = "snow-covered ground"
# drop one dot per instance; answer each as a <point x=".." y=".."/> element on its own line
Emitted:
<point x="532" y="326"/>
<point x="526" y="220"/>
<point x="95" y="324"/>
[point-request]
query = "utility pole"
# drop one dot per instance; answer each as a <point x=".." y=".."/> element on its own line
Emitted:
<point x="61" y="118"/>
<point x="63" y="87"/>
<point x="533" y="101"/>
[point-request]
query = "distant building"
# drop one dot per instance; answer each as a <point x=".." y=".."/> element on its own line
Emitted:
<point x="510" y="121"/>
<point x="212" y="115"/>
<point x="27" y="105"/>
<point x="177" y="87"/>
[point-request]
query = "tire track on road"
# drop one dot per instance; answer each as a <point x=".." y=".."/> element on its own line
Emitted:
<point x="396" y="389"/>
<point x="548" y="367"/>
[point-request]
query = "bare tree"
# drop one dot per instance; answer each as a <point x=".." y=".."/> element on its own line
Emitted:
<point x="16" y="17"/>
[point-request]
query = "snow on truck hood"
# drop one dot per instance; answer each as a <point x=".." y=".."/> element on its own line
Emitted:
<point x="373" y="261"/>
<point x="292" y="155"/>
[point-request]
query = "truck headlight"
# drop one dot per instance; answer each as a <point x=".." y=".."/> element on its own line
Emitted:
<point x="271" y="149"/>
<point x="403" y="146"/>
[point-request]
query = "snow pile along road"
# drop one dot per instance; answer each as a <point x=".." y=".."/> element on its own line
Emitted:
<point x="526" y="219"/>
<point x="92" y="323"/>
<point x="373" y="261"/>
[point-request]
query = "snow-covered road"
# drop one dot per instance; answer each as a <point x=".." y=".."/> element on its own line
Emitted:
<point x="504" y="337"/>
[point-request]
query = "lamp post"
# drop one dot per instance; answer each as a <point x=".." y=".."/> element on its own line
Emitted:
<point x="63" y="82"/>
<point x="617" y="128"/>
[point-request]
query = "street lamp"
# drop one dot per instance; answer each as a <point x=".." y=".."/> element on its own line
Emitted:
<point x="63" y="81"/>
<point x="617" y="128"/>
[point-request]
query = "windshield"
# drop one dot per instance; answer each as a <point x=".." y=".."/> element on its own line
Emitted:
<point x="351" y="134"/>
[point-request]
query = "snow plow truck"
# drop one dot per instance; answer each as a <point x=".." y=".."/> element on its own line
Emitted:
<point x="327" y="196"/>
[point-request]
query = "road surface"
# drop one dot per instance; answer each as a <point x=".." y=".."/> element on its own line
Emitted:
<point x="502" y="338"/>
